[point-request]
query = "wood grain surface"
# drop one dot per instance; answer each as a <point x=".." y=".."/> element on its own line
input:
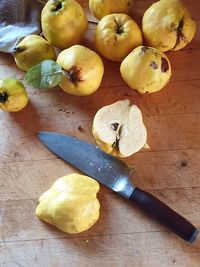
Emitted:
<point x="123" y="235"/>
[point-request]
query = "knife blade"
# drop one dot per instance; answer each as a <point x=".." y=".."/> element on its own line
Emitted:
<point x="115" y="174"/>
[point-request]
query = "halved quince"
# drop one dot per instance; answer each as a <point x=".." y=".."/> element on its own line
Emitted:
<point x="119" y="129"/>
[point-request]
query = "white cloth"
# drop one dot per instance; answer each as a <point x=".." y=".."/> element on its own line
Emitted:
<point x="18" y="18"/>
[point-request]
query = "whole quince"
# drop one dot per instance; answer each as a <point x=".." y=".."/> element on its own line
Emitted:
<point x="13" y="96"/>
<point x="82" y="70"/>
<point x="63" y="23"/>
<point x="31" y="51"/>
<point x="168" y="25"/>
<point x="101" y="8"/>
<point x="71" y="203"/>
<point x="146" y="69"/>
<point x="116" y="36"/>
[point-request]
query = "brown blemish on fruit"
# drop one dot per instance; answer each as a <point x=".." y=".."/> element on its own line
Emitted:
<point x="57" y="5"/>
<point x="3" y="97"/>
<point x="144" y="48"/>
<point x="119" y="29"/>
<point x="154" y="65"/>
<point x="73" y="74"/>
<point x="17" y="50"/>
<point x="164" y="65"/>
<point x="179" y="34"/>
<point x="114" y="126"/>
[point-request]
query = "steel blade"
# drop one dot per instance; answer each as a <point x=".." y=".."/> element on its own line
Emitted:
<point x="91" y="160"/>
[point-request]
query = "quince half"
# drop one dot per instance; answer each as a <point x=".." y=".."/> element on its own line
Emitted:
<point x="119" y="129"/>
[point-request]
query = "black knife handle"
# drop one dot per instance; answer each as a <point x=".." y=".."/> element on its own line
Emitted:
<point x="165" y="215"/>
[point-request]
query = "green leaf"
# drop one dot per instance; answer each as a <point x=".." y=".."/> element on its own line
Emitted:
<point x="46" y="74"/>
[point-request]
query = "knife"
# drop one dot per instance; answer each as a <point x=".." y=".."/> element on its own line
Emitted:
<point x="115" y="174"/>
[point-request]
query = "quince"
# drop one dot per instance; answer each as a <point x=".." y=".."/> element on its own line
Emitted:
<point x="32" y="50"/>
<point x="64" y="23"/>
<point x="116" y="36"/>
<point x="146" y="69"/>
<point x="13" y="96"/>
<point x="101" y="8"/>
<point x="82" y="70"/>
<point x="167" y="25"/>
<point x="119" y="129"/>
<point x="70" y="204"/>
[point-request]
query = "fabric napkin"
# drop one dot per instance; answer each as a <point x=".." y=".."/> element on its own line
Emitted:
<point x="18" y="18"/>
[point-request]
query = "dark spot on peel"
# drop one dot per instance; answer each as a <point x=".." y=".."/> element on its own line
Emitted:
<point x="114" y="126"/>
<point x="144" y="49"/>
<point x="17" y="50"/>
<point x="154" y="65"/>
<point x="164" y="65"/>
<point x="57" y="6"/>
<point x="73" y="74"/>
<point x="179" y="34"/>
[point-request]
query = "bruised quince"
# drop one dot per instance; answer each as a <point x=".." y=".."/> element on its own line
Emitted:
<point x="13" y="96"/>
<point x="168" y="25"/>
<point x="119" y="129"/>
<point x="70" y="204"/>
<point x="82" y="70"/>
<point x="146" y="69"/>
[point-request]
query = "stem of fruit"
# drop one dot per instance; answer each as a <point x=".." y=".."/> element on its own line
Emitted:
<point x="3" y="97"/>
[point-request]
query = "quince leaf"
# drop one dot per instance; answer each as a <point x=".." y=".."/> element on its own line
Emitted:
<point x="46" y="74"/>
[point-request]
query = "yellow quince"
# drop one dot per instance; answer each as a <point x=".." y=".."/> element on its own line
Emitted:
<point x="70" y="204"/>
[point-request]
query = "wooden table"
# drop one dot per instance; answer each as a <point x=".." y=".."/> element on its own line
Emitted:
<point x="123" y="236"/>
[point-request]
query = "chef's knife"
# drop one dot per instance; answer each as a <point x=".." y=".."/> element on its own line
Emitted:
<point x="115" y="174"/>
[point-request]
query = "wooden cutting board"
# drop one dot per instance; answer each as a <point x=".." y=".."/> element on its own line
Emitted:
<point x="170" y="170"/>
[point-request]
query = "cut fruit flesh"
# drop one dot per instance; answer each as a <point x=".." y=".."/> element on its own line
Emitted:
<point x="119" y="129"/>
